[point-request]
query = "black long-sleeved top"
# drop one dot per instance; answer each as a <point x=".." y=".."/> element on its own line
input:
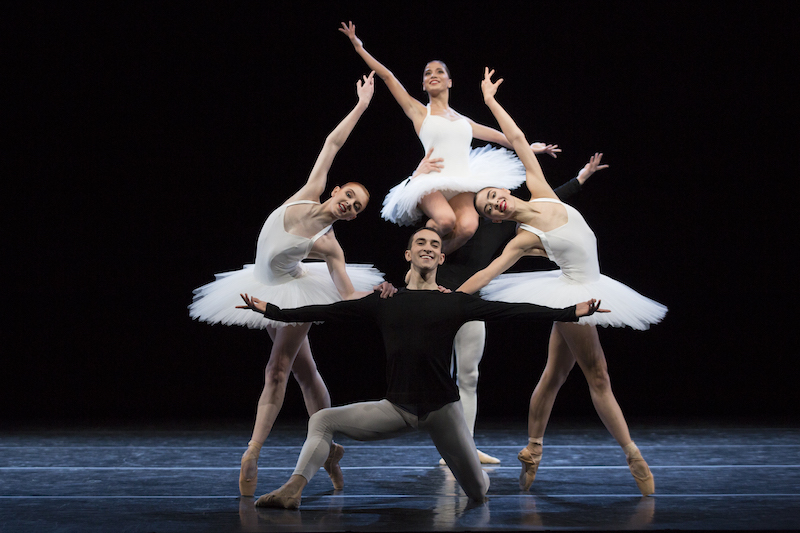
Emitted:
<point x="418" y="328"/>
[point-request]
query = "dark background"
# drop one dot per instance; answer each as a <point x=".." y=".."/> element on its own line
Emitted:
<point x="148" y="143"/>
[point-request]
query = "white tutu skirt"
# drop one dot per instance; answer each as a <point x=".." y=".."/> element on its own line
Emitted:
<point x="551" y="289"/>
<point x="216" y="302"/>
<point x="488" y="167"/>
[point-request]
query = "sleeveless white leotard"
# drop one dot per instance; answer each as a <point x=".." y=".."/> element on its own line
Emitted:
<point x="573" y="247"/>
<point x="465" y="169"/>
<point x="279" y="276"/>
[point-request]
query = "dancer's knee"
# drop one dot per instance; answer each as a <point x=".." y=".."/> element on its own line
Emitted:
<point x="444" y="223"/>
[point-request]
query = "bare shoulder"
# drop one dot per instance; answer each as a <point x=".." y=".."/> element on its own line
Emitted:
<point x="326" y="246"/>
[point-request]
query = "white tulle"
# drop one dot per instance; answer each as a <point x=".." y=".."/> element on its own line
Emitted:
<point x="216" y="302"/>
<point x="552" y="289"/>
<point x="488" y="167"/>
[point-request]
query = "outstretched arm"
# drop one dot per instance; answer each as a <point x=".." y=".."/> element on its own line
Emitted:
<point x="318" y="178"/>
<point x="411" y="106"/>
<point x="534" y="177"/>
<point x="590" y="168"/>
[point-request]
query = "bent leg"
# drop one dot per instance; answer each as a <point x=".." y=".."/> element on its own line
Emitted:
<point x="438" y="210"/>
<point x="452" y="439"/>
<point x="466" y="221"/>
<point x="360" y="421"/>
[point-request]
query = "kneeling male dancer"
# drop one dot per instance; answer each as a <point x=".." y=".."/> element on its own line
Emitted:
<point x="418" y="325"/>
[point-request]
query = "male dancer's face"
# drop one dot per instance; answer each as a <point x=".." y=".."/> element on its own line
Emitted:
<point x="425" y="251"/>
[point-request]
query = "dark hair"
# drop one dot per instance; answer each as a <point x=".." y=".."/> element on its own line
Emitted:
<point x="475" y="202"/>
<point x="411" y="238"/>
<point x="443" y="64"/>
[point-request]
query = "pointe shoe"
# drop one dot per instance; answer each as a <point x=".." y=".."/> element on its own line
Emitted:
<point x="248" y="474"/>
<point x="332" y="466"/>
<point x="530" y="464"/>
<point x="641" y="473"/>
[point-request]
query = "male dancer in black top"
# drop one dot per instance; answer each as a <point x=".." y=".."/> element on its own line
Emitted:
<point x="418" y="325"/>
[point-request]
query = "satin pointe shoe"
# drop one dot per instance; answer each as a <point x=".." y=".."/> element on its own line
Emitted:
<point x="332" y="466"/>
<point x="530" y="464"/>
<point x="639" y="470"/>
<point x="248" y="474"/>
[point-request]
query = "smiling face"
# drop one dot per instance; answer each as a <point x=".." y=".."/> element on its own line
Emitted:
<point x="349" y="200"/>
<point x="436" y="77"/>
<point x="425" y="250"/>
<point x="495" y="203"/>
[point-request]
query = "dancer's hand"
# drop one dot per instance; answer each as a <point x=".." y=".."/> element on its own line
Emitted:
<point x="550" y="149"/>
<point x="428" y="165"/>
<point x="589" y="308"/>
<point x="387" y="289"/>
<point x="488" y="87"/>
<point x="349" y="29"/>
<point x="366" y="88"/>
<point x="444" y="289"/>
<point x="591" y="167"/>
<point x="252" y="303"/>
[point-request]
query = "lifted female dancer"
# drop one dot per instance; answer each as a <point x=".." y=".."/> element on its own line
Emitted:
<point x="446" y="198"/>
<point x="300" y="228"/>
<point x="555" y="230"/>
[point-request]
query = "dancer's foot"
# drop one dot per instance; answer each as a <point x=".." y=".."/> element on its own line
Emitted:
<point x="332" y="466"/>
<point x="484" y="458"/>
<point x="530" y="456"/>
<point x="639" y="469"/>
<point x="286" y="497"/>
<point x="487" y="459"/>
<point x="248" y="474"/>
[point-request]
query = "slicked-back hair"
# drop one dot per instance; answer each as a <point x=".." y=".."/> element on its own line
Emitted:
<point x="411" y="238"/>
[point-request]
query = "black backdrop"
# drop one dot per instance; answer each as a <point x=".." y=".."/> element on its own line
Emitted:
<point x="149" y="141"/>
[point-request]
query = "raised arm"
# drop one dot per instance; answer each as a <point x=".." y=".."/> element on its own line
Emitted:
<point x="318" y="178"/>
<point x="411" y="106"/>
<point x="534" y="177"/>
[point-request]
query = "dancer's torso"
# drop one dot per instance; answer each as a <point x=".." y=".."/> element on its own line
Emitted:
<point x="278" y="252"/>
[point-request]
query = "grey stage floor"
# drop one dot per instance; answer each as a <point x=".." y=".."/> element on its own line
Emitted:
<point x="183" y="477"/>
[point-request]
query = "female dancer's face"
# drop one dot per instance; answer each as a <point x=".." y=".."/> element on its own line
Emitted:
<point x="348" y="201"/>
<point x="495" y="203"/>
<point x="435" y="77"/>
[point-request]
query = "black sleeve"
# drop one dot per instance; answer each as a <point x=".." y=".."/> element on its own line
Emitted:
<point x="348" y="310"/>
<point x="568" y="190"/>
<point x="489" y="310"/>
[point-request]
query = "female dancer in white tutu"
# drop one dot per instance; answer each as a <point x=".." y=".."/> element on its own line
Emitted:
<point x="446" y="197"/>
<point x="298" y="229"/>
<point x="555" y="230"/>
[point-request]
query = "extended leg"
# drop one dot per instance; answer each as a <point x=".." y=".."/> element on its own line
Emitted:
<point x="584" y="342"/>
<point x="286" y="343"/>
<point x="559" y="363"/>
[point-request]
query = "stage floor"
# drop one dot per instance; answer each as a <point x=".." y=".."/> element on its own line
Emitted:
<point x="183" y="477"/>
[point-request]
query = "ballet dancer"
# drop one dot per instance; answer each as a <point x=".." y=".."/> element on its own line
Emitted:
<point x="418" y="325"/>
<point x="300" y="228"/>
<point x="475" y="255"/>
<point x="555" y="230"/>
<point x="446" y="198"/>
